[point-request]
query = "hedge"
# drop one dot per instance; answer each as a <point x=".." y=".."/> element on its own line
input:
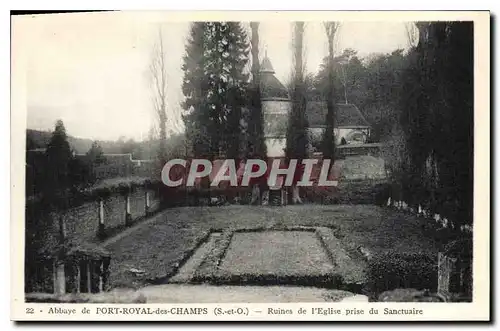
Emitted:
<point x="392" y="270"/>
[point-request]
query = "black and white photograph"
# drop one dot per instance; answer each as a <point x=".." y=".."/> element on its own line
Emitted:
<point x="250" y="159"/>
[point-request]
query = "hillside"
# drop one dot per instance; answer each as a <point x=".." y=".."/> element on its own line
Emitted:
<point x="40" y="139"/>
<point x="140" y="150"/>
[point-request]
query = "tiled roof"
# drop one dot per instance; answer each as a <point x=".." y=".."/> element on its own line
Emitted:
<point x="270" y="86"/>
<point x="347" y="115"/>
<point x="266" y="66"/>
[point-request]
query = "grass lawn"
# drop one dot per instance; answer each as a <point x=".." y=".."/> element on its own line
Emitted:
<point x="156" y="246"/>
<point x="289" y="252"/>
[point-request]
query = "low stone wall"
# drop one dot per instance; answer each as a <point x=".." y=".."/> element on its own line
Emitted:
<point x="83" y="225"/>
<point x="80" y="223"/>
<point x="362" y="149"/>
<point x="94" y="220"/>
<point x="420" y="211"/>
<point x="114" y="212"/>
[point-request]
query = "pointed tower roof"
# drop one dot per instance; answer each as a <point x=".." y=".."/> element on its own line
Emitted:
<point x="270" y="86"/>
<point x="266" y="66"/>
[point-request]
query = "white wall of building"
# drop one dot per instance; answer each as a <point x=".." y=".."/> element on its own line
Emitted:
<point x="317" y="133"/>
<point x="276" y="145"/>
<point x="345" y="132"/>
<point x="276" y="106"/>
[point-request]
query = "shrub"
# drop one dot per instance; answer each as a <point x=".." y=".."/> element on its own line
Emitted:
<point x="393" y="270"/>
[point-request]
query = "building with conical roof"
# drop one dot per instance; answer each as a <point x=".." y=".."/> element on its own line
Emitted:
<point x="350" y="125"/>
<point x="276" y="105"/>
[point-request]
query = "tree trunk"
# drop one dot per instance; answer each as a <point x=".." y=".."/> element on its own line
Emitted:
<point x="329" y="137"/>
<point x="257" y="147"/>
<point x="296" y="199"/>
<point x="256" y="195"/>
<point x="297" y="125"/>
<point x="163" y="137"/>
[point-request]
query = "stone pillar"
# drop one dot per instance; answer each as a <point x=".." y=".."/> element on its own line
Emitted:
<point x="265" y="198"/>
<point x="128" y="216"/>
<point x="59" y="278"/>
<point x="255" y="195"/>
<point x="54" y="275"/>
<point x="78" y="277"/>
<point x="274" y="197"/>
<point x="446" y="274"/>
<point x="284" y="197"/>
<point x="89" y="276"/>
<point x="105" y="272"/>
<point x="59" y="274"/>
<point x="147" y="204"/>
<point x="455" y="269"/>
<point x="101" y="231"/>
<point x="101" y="280"/>
<point x="296" y="195"/>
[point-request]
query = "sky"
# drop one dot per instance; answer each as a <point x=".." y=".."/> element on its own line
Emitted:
<point x="91" y="70"/>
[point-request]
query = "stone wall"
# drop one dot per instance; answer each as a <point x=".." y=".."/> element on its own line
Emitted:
<point x="81" y="223"/>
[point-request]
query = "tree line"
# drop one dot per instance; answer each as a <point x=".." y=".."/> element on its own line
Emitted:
<point x="436" y="122"/>
<point x="52" y="163"/>
<point x="419" y="102"/>
<point x="218" y="89"/>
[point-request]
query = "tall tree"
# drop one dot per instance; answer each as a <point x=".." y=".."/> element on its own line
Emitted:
<point x="382" y="88"/>
<point x="194" y="87"/>
<point x="58" y="160"/>
<point x="95" y="154"/>
<point x="130" y="146"/>
<point x="411" y="34"/>
<point x="214" y="87"/>
<point x="158" y="71"/>
<point x="40" y="231"/>
<point x="437" y="119"/>
<point x="235" y="52"/>
<point x="257" y="146"/>
<point x="331" y="29"/>
<point x="297" y="139"/>
<point x="256" y="141"/>
<point x="350" y="77"/>
<point x="373" y="85"/>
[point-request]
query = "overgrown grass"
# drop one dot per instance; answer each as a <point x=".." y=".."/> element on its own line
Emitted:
<point x="157" y="247"/>
<point x="395" y="270"/>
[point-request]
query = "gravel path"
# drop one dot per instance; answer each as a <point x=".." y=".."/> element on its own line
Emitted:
<point x="177" y="293"/>
<point x="187" y="271"/>
<point x="174" y="293"/>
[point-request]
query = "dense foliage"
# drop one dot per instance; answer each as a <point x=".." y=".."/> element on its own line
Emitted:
<point x="394" y="270"/>
<point x="420" y="104"/>
<point x="373" y="84"/>
<point x="296" y="137"/>
<point x="437" y="120"/>
<point x="256" y="142"/>
<point x="329" y="92"/>
<point x="214" y="87"/>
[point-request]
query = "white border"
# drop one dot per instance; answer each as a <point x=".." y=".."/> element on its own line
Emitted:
<point x="229" y="5"/>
